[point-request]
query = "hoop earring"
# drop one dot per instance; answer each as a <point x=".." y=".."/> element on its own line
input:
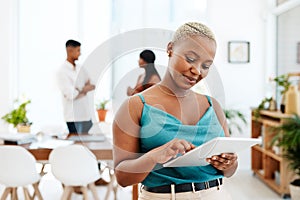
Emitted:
<point x="169" y="53"/>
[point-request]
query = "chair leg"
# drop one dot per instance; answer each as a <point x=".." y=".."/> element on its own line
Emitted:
<point x="14" y="193"/>
<point x="26" y="194"/>
<point x="115" y="188"/>
<point x="37" y="191"/>
<point x="109" y="189"/>
<point x="94" y="191"/>
<point x="110" y="186"/>
<point x="70" y="193"/>
<point x="42" y="172"/>
<point x="6" y="192"/>
<point x="67" y="192"/>
<point x="115" y="191"/>
<point x="84" y="192"/>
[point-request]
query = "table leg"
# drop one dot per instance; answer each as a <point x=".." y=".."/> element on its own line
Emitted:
<point x="135" y="192"/>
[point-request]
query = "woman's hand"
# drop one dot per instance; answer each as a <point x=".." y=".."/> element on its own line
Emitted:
<point x="170" y="150"/>
<point x="223" y="161"/>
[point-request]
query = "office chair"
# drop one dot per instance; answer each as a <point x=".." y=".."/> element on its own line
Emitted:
<point x="18" y="169"/>
<point x="75" y="165"/>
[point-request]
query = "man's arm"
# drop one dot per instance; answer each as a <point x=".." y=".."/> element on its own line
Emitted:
<point x="87" y="88"/>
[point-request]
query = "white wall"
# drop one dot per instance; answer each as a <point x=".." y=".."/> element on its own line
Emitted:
<point x="239" y="20"/>
<point x="243" y="83"/>
<point x="6" y="61"/>
<point x="288" y="37"/>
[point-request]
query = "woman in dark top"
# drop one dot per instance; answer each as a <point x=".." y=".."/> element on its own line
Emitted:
<point x="150" y="77"/>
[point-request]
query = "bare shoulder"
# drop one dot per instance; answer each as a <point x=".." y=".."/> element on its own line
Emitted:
<point x="127" y="119"/>
<point x="130" y="107"/>
<point x="150" y="91"/>
<point x="214" y="102"/>
<point x="152" y="95"/>
<point x="216" y="105"/>
<point x="203" y="98"/>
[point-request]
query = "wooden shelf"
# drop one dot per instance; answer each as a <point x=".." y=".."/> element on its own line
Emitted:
<point x="273" y="185"/>
<point x="259" y="174"/>
<point x="274" y="114"/>
<point x="269" y="167"/>
<point x="273" y="155"/>
<point x="268" y="152"/>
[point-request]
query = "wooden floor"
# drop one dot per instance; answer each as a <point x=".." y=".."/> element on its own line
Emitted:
<point x="243" y="186"/>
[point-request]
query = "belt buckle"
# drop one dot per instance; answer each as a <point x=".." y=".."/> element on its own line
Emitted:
<point x="218" y="187"/>
<point x="206" y="184"/>
<point x="193" y="186"/>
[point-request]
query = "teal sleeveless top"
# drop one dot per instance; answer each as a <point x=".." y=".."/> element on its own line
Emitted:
<point x="159" y="127"/>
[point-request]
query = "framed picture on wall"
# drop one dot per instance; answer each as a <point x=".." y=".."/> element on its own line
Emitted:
<point x="238" y="52"/>
<point x="298" y="52"/>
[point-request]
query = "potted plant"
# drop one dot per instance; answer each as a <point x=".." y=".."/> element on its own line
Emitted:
<point x="288" y="137"/>
<point x="101" y="110"/>
<point x="264" y="104"/>
<point x="234" y="117"/>
<point x="283" y="85"/>
<point x="18" y="118"/>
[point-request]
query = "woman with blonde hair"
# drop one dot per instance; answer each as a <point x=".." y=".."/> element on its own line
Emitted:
<point x="168" y="119"/>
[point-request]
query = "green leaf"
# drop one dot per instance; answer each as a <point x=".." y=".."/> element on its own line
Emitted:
<point x="233" y="118"/>
<point x="102" y="105"/>
<point x="288" y="137"/>
<point x="18" y="115"/>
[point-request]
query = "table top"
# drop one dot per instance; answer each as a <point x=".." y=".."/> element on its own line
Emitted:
<point x="101" y="149"/>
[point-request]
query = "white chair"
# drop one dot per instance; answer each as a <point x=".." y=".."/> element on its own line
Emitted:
<point x="18" y="169"/>
<point x="75" y="165"/>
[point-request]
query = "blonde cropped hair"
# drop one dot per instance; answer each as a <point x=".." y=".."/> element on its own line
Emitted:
<point x="192" y="28"/>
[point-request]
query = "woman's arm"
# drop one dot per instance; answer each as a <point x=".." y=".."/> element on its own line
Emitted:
<point x="226" y="162"/>
<point x="138" y="86"/>
<point x="131" y="166"/>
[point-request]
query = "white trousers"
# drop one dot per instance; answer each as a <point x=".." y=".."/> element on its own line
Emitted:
<point x="209" y="194"/>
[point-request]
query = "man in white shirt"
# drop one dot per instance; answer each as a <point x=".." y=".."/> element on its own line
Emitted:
<point x="74" y="84"/>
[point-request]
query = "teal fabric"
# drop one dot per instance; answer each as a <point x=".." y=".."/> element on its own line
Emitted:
<point x="159" y="127"/>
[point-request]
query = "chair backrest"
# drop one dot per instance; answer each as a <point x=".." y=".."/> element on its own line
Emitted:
<point x="18" y="166"/>
<point x="74" y="165"/>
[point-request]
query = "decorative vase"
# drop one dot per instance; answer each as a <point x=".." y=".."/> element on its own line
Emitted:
<point x="292" y="101"/>
<point x="272" y="104"/>
<point x="23" y="128"/>
<point x="282" y="104"/>
<point x="101" y="115"/>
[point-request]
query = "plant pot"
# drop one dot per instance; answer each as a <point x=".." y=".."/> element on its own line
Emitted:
<point x="101" y="115"/>
<point x="23" y="128"/>
<point x="295" y="189"/>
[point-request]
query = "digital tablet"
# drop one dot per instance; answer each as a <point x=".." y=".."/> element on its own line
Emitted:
<point x="216" y="146"/>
